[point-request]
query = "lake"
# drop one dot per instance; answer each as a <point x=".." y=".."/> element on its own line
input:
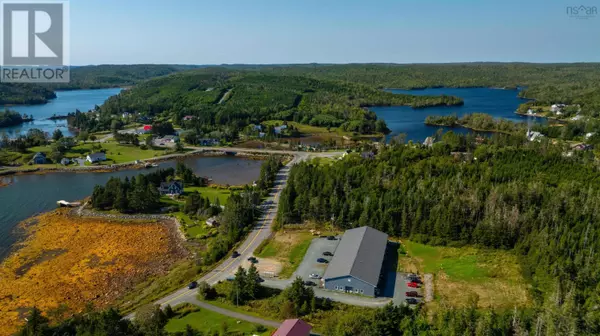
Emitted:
<point x="29" y="195"/>
<point x="495" y="102"/>
<point x="65" y="102"/>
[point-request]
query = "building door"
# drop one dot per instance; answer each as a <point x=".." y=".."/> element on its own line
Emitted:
<point x="348" y="289"/>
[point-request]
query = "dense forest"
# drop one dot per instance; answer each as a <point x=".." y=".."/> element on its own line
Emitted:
<point x="12" y="118"/>
<point x="511" y="194"/>
<point x="220" y="98"/>
<point x="13" y="94"/>
<point x="85" y="77"/>
<point x="105" y="76"/>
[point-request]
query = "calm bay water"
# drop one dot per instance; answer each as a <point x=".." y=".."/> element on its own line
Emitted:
<point x="64" y="103"/>
<point x="29" y="195"/>
<point x="496" y="102"/>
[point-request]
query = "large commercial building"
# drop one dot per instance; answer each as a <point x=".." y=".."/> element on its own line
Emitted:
<point x="357" y="262"/>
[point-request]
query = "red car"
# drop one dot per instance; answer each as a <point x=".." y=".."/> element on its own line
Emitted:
<point x="412" y="294"/>
<point x="413" y="285"/>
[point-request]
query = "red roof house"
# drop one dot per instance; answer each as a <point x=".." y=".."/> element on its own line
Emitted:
<point x="147" y="127"/>
<point x="293" y="327"/>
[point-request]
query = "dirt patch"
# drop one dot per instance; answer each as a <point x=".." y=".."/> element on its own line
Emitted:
<point x="75" y="261"/>
<point x="266" y="267"/>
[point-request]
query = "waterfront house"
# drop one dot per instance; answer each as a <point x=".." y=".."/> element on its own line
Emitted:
<point x="534" y="136"/>
<point x="428" y="141"/>
<point x="173" y="188"/>
<point x="147" y="129"/>
<point x="169" y="138"/>
<point x="293" y="327"/>
<point x="212" y="222"/>
<point x="39" y="158"/>
<point x="96" y="157"/>
<point x="65" y="162"/>
<point x="208" y="142"/>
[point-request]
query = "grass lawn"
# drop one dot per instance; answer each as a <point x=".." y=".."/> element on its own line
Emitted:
<point x="494" y="276"/>
<point x="115" y="153"/>
<point x="212" y="193"/>
<point x="288" y="248"/>
<point x="209" y="322"/>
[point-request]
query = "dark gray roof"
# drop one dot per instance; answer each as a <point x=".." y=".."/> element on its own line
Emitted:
<point x="98" y="155"/>
<point x="360" y="254"/>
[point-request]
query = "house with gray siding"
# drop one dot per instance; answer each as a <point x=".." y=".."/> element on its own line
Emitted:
<point x="357" y="263"/>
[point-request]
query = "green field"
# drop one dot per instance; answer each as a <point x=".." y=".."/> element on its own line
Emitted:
<point x="288" y="248"/>
<point x="209" y="323"/>
<point x="212" y="193"/>
<point x="494" y="276"/>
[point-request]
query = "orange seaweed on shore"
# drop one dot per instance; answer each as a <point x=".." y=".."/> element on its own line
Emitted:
<point x="75" y="261"/>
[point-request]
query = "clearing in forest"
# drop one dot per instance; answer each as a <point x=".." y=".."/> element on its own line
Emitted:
<point x="461" y="275"/>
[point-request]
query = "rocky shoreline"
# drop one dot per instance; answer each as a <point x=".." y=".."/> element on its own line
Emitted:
<point x="76" y="257"/>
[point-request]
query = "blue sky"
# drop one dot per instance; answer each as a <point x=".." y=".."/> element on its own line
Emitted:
<point x="330" y="31"/>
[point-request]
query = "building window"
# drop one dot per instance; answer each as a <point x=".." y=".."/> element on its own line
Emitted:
<point x="362" y="291"/>
<point x="356" y="291"/>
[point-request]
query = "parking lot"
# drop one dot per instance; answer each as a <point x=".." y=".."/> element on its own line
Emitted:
<point x="309" y="264"/>
<point x="401" y="288"/>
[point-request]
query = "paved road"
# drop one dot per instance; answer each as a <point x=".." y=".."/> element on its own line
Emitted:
<point x="259" y="233"/>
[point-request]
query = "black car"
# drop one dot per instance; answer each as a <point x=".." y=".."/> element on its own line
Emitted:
<point x="327" y="253"/>
<point x="322" y="260"/>
<point x="253" y="260"/>
<point x="309" y="283"/>
<point x="412" y="301"/>
<point x="193" y="285"/>
<point x="235" y="254"/>
<point x="331" y="238"/>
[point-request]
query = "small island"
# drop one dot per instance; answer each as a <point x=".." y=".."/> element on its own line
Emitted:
<point x="12" y="118"/>
<point x="477" y="122"/>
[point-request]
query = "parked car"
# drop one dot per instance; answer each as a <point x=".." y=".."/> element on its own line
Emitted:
<point x="230" y="278"/>
<point x="193" y="285"/>
<point x="309" y="283"/>
<point x="331" y="238"/>
<point x="235" y="254"/>
<point x="253" y="260"/>
<point x="412" y="294"/>
<point x="322" y="260"/>
<point x="413" y="284"/>
<point x="314" y="276"/>
<point x="412" y="301"/>
<point x="327" y="253"/>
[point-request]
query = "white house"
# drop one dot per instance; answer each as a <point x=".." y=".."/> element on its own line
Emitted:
<point x="96" y="157"/>
<point x="212" y="222"/>
<point x="534" y="136"/>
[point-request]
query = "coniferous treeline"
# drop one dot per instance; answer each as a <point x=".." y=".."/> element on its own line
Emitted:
<point x="34" y="137"/>
<point x="524" y="197"/>
<point x="12" y="118"/>
<point x="139" y="194"/>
